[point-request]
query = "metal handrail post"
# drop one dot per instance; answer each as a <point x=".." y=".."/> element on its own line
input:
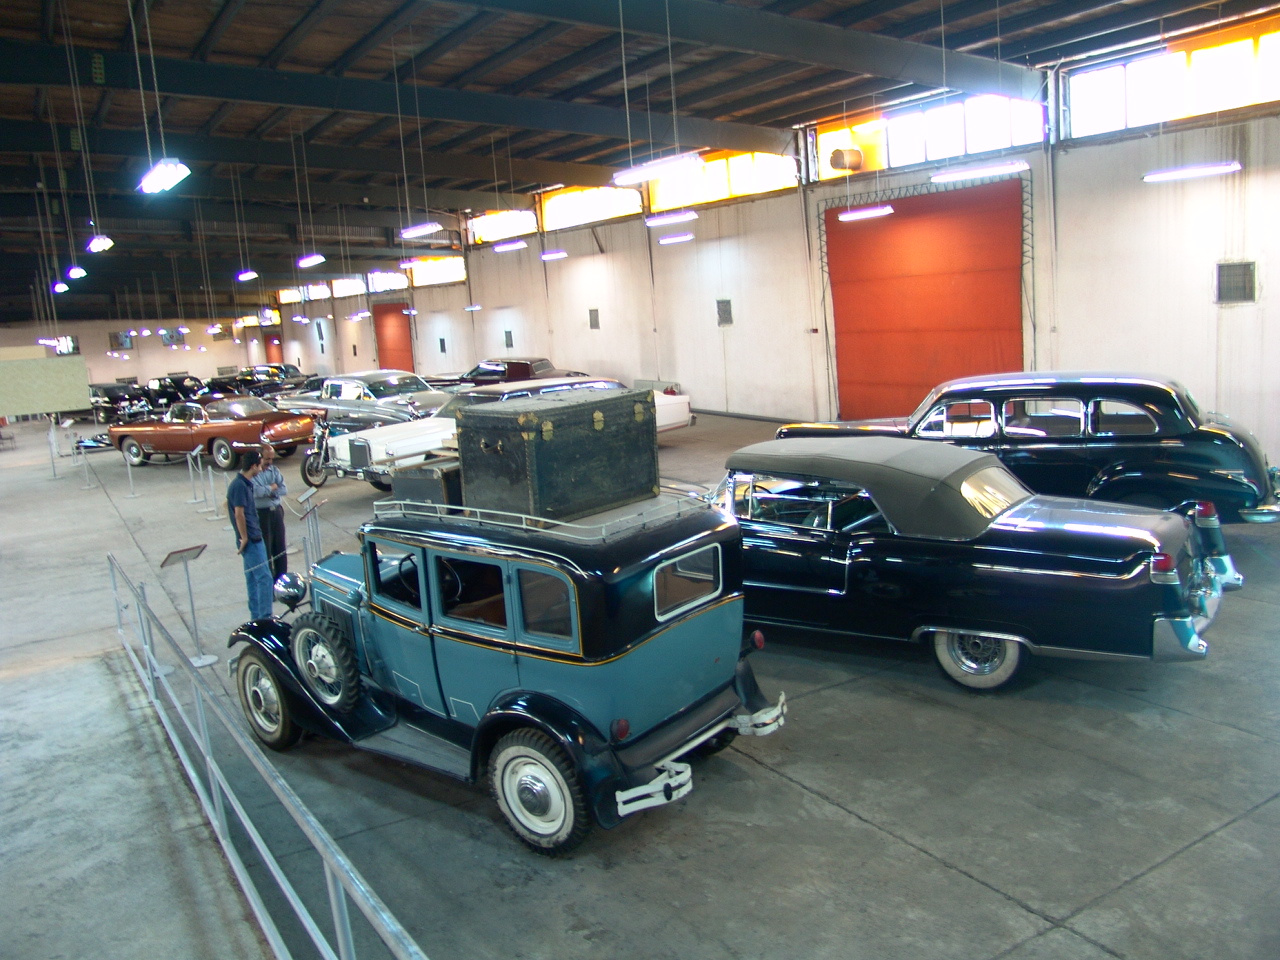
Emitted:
<point x="206" y="748"/>
<point x="341" y="917"/>
<point x="141" y="605"/>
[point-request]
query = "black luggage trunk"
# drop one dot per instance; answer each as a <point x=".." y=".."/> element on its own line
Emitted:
<point x="559" y="456"/>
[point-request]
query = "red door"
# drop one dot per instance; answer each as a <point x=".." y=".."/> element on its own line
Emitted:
<point x="392" y="335"/>
<point x="930" y="292"/>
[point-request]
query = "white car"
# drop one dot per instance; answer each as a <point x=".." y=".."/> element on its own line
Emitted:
<point x="672" y="410"/>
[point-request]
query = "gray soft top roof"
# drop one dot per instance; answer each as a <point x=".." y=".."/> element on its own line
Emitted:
<point x="916" y="483"/>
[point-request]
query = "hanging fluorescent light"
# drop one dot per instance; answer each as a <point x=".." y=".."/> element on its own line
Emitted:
<point x="555" y="254"/>
<point x="165" y="175"/>
<point x="75" y="272"/>
<point x="508" y="245"/>
<point x="311" y="260"/>
<point x="666" y="219"/>
<point x="655" y="168"/>
<point x="245" y="275"/>
<point x="100" y="243"/>
<point x="60" y="287"/>
<point x="471" y="307"/>
<point x="675" y="238"/>
<point x="864" y="213"/>
<point x="979" y="173"/>
<point x="1190" y="173"/>
<point x="420" y="230"/>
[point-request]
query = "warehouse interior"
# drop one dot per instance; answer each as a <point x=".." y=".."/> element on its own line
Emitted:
<point x="1099" y="812"/>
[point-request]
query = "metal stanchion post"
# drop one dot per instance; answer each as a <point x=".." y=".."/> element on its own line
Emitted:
<point x="213" y="498"/>
<point x="128" y="469"/>
<point x="53" y="449"/>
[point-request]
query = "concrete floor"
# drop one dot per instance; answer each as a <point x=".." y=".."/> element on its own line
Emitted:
<point x="1094" y="811"/>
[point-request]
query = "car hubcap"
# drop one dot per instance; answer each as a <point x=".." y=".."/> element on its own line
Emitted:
<point x="263" y="700"/>
<point x="537" y="800"/>
<point x="975" y="654"/>
<point x="321" y="669"/>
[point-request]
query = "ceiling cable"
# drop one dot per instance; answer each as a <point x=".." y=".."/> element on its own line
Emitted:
<point x="626" y="90"/>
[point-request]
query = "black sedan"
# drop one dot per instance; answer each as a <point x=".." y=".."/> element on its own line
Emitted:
<point x="1130" y="437"/>
<point x="903" y="539"/>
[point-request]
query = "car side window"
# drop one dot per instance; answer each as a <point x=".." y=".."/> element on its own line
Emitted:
<point x="1119" y="418"/>
<point x="471" y="590"/>
<point x="546" y="609"/>
<point x="959" y="419"/>
<point x="395" y="573"/>
<point x="1043" y="417"/>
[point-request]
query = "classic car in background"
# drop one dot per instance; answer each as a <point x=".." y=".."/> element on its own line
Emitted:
<point x="1108" y="436"/>
<point x="287" y="373"/>
<point x="398" y="393"/>
<point x="369" y="454"/>
<point x="118" y="401"/>
<point x="672" y="409"/>
<point x="909" y="540"/>
<point x="223" y="427"/>
<point x="164" y="391"/>
<point x="577" y="668"/>
<point x="505" y="370"/>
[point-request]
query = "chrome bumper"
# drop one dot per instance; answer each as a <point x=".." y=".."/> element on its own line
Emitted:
<point x="1175" y="638"/>
<point x="675" y="779"/>
<point x="1268" y="513"/>
<point x="1224" y="568"/>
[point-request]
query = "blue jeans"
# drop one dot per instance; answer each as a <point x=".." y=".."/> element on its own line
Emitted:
<point x="257" y="577"/>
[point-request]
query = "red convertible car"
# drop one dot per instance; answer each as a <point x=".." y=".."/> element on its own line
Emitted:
<point x="222" y="427"/>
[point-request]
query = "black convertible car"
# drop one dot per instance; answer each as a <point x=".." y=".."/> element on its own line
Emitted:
<point x="903" y="539"/>
<point x="1129" y="437"/>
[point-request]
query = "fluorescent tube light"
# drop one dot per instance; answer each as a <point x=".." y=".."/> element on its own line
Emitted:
<point x="311" y="260"/>
<point x="61" y="287"/>
<point x="75" y="272"/>
<point x="165" y="175"/>
<point x="249" y="274"/>
<point x="420" y="230"/>
<point x="654" y="169"/>
<point x="555" y="254"/>
<point x="1190" y="173"/>
<point x="864" y="213"/>
<point x="978" y="173"/>
<point x="675" y="238"/>
<point x="471" y="307"/>
<point x="666" y="219"/>
<point x="100" y="243"/>
<point x="508" y="245"/>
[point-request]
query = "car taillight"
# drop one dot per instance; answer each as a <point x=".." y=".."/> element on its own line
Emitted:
<point x="1163" y="563"/>
<point x="757" y="639"/>
<point x="620" y="729"/>
<point x="1205" y="510"/>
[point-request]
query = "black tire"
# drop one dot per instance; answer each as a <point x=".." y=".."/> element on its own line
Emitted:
<point x="380" y="485"/>
<point x="313" y="474"/>
<point x="709" y="748"/>
<point x="286" y="451"/>
<point x="134" y="455"/>
<point x="224" y="455"/>
<point x="326" y="661"/>
<point x="976" y="661"/>
<point x="265" y="703"/>
<point x="538" y="792"/>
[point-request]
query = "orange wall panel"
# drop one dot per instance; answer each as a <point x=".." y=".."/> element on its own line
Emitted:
<point x="932" y="292"/>
<point x="391" y="332"/>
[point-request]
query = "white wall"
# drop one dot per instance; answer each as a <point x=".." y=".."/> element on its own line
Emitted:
<point x="1120" y="276"/>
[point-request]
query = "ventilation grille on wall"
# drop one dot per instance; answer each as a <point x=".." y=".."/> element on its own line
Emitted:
<point x="1237" y="282"/>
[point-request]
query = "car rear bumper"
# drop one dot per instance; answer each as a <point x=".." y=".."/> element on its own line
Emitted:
<point x="1266" y="513"/>
<point x="1176" y="638"/>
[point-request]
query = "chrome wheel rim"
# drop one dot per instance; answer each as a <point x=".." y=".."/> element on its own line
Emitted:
<point x="975" y="654"/>
<point x="263" y="698"/>
<point x="321" y="669"/>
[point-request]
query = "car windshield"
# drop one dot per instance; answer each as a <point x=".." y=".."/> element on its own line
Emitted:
<point x="394" y="386"/>
<point x="993" y="490"/>
<point x="238" y="407"/>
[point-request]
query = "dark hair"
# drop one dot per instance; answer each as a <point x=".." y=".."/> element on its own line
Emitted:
<point x="250" y="458"/>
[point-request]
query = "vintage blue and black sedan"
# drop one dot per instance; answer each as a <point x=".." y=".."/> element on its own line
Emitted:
<point x="575" y="666"/>
<point x="909" y="540"/>
<point x="1130" y="437"/>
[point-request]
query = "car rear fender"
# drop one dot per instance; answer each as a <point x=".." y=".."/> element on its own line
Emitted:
<point x="1174" y="484"/>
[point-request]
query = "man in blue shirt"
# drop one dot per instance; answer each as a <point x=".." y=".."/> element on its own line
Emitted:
<point x="244" y="518"/>
<point x="269" y="491"/>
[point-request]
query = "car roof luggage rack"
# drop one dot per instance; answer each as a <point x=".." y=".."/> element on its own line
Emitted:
<point x="609" y="524"/>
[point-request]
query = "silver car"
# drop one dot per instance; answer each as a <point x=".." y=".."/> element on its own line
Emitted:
<point x="398" y="394"/>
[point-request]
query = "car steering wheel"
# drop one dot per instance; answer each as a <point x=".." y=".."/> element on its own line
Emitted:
<point x="407" y="571"/>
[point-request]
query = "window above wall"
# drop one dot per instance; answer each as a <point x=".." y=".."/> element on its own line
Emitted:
<point x="1224" y="70"/>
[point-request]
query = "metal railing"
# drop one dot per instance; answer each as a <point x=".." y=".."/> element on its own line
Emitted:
<point x="139" y="629"/>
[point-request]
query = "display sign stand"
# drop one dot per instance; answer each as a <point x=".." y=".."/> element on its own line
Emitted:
<point x="311" y="550"/>
<point x="184" y="557"/>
